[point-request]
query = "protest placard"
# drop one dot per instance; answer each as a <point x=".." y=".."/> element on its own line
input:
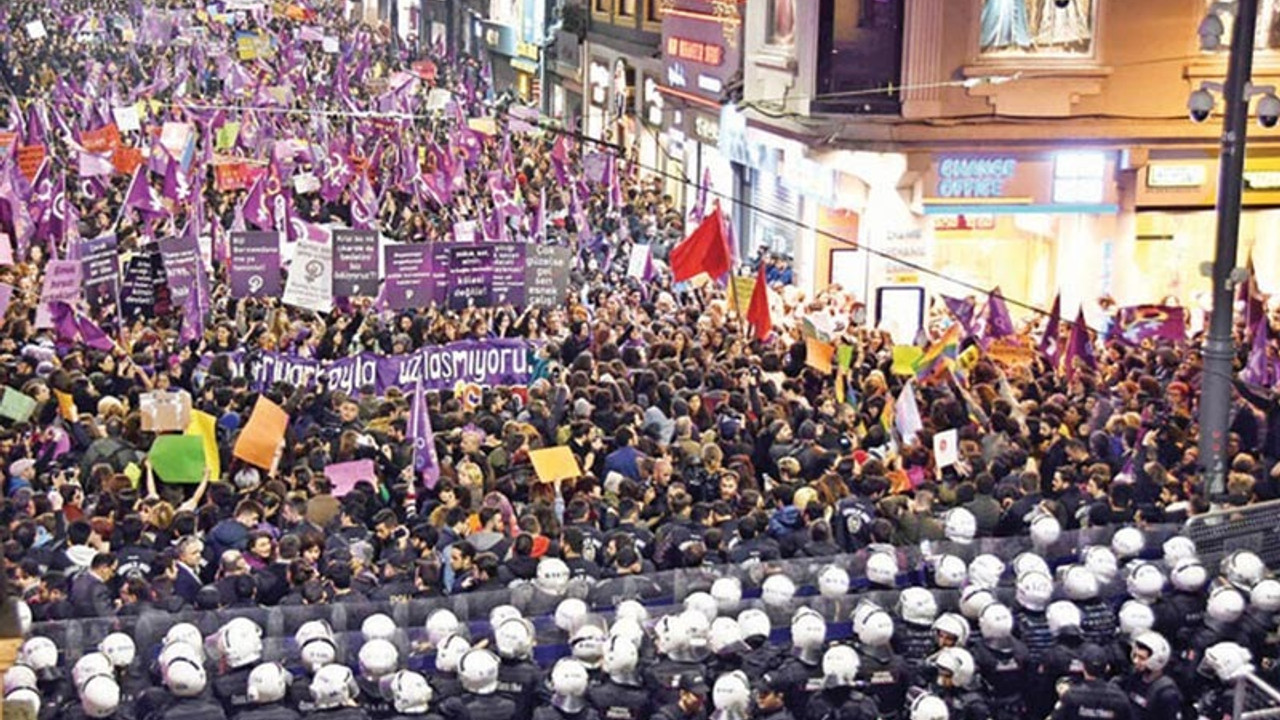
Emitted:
<point x="261" y="437"/>
<point x="818" y="354"/>
<point x="344" y="476"/>
<point x="178" y="459"/>
<point x="310" y="282"/>
<point x="163" y="411"/>
<point x="555" y="463"/>
<point x="16" y="405"/>
<point x="946" y="451"/>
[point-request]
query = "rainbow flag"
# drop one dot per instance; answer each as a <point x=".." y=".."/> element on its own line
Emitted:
<point x="939" y="353"/>
<point x="887" y="413"/>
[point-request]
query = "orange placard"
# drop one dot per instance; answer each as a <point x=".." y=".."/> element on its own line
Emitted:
<point x="126" y="160"/>
<point x="101" y="141"/>
<point x="818" y="354"/>
<point x="555" y="463"/>
<point x="261" y="436"/>
<point x="30" y="157"/>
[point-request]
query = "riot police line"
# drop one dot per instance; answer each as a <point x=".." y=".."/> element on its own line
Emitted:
<point x="951" y="630"/>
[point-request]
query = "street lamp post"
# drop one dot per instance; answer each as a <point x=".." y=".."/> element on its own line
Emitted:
<point x="1219" y="346"/>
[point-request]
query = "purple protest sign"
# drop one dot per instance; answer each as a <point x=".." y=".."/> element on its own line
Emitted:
<point x="267" y="369"/>
<point x="145" y="289"/>
<point x="470" y="275"/>
<point x="547" y="274"/>
<point x="352" y="373"/>
<point x="61" y="284"/>
<point x="100" y="268"/>
<point x="508" y="276"/>
<point x="440" y="273"/>
<point x="182" y="265"/>
<point x="255" y="264"/>
<point x="408" y="271"/>
<point x="355" y="263"/>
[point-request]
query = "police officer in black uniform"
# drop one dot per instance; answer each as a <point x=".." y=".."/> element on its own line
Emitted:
<point x="1095" y="698"/>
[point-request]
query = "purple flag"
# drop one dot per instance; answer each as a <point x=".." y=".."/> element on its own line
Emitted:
<point x="142" y="197"/>
<point x="338" y="173"/>
<point x="999" y="324"/>
<point x="177" y="186"/>
<point x="6" y="296"/>
<point x="72" y="328"/>
<point x="425" y="464"/>
<point x="256" y="209"/>
<point x="700" y="200"/>
<point x="364" y="205"/>
<point x="1079" y="347"/>
<point x="1049" y="343"/>
<point x="962" y="311"/>
<point x="1149" y="322"/>
<point x="1260" y="369"/>
<point x="14" y="211"/>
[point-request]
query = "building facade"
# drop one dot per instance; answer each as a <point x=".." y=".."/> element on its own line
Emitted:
<point x="1034" y="145"/>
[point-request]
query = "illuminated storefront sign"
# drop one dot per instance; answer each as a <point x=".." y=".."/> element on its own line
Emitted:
<point x="974" y="177"/>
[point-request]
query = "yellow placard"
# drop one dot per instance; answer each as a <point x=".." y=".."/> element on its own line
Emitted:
<point x="555" y="463"/>
<point x="904" y="359"/>
<point x="1012" y="352"/>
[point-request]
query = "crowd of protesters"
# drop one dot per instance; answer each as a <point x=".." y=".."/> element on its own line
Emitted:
<point x="700" y="445"/>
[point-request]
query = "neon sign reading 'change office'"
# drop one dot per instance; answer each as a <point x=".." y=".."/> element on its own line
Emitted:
<point x="974" y="177"/>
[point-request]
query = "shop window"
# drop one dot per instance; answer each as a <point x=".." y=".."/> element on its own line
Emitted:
<point x="601" y="7"/>
<point x="859" y="53"/>
<point x="1037" y="27"/>
<point x="627" y="8"/>
<point x="1267" y="35"/>
<point x="653" y="10"/>
<point x="1078" y="177"/>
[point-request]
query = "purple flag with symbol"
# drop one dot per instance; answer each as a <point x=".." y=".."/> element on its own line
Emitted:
<point x="999" y="324"/>
<point x="425" y="464"/>
<point x="142" y="197"/>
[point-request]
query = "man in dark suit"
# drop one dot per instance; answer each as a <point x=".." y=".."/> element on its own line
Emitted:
<point x="188" y="584"/>
<point x="90" y="595"/>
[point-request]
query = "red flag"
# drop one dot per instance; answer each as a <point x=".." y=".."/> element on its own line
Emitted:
<point x="705" y="250"/>
<point x="758" y="310"/>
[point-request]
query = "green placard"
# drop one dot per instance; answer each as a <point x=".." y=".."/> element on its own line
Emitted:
<point x="178" y="459"/>
<point x="16" y="406"/>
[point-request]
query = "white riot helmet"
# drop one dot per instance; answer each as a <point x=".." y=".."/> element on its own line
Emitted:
<point x="513" y="639"/>
<point x="100" y="696"/>
<point x="552" y="577"/>
<point x="502" y="613"/>
<point x="333" y="686"/>
<point x="621" y="657"/>
<point x="755" y="622"/>
<point x="697" y="627"/>
<point x="185" y="677"/>
<point x="119" y="649"/>
<point x="24" y="618"/>
<point x="588" y="641"/>
<point x="1045" y="531"/>
<point x="631" y="609"/>
<point x="1265" y="596"/>
<point x="669" y="635"/>
<point x="570" y="613"/>
<point x="1079" y="583"/>
<point x="1226" y="661"/>
<point x="1101" y="562"/>
<point x="316" y="646"/>
<point x="15" y="701"/>
<point x="808" y="631"/>
<point x="950" y="572"/>
<point x="20" y="676"/>
<point x="732" y="693"/>
<point x="961" y="526"/>
<point x="1178" y="547"/>
<point x="1034" y="591"/>
<point x="268" y="683"/>
<point x="929" y="707"/>
<point x="1243" y="569"/>
<point x="239" y="643"/>
<point x="1063" y="617"/>
<point x="875" y="630"/>
<point x="171" y="654"/>
<point x="1128" y="542"/>
<point x="777" y="590"/>
<point x="703" y="603"/>
<point x="1135" y="618"/>
<point x="996" y="622"/>
<point x="840" y="665"/>
<point x="1225" y="604"/>
<point x="973" y="600"/>
<point x="917" y="606"/>
<point x="725" y="636"/>
<point x="1145" y="582"/>
<point x="833" y="582"/>
<point x="628" y="629"/>
<point x="450" y="653"/>
<point x="478" y="672"/>
<point x="1158" y="647"/>
<point x="954" y="626"/>
<point x="410" y="692"/>
<point x="88" y="666"/>
<point x="882" y="569"/>
<point x="727" y="592"/>
<point x="955" y="663"/>
<point x="985" y="571"/>
<point x="1027" y="562"/>
<point x="378" y="627"/>
<point x="38" y="653"/>
<point x="1188" y="575"/>
<point x="378" y="658"/>
<point x="185" y="633"/>
<point x="569" y="678"/>
<point x="440" y="623"/>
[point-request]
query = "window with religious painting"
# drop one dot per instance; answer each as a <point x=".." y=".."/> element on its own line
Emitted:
<point x="1037" y="27"/>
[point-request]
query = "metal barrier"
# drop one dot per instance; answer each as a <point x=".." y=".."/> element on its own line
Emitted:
<point x="1221" y="532"/>
<point x="1254" y="699"/>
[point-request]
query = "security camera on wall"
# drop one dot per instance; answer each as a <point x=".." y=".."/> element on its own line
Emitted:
<point x="1200" y="104"/>
<point x="1269" y="110"/>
